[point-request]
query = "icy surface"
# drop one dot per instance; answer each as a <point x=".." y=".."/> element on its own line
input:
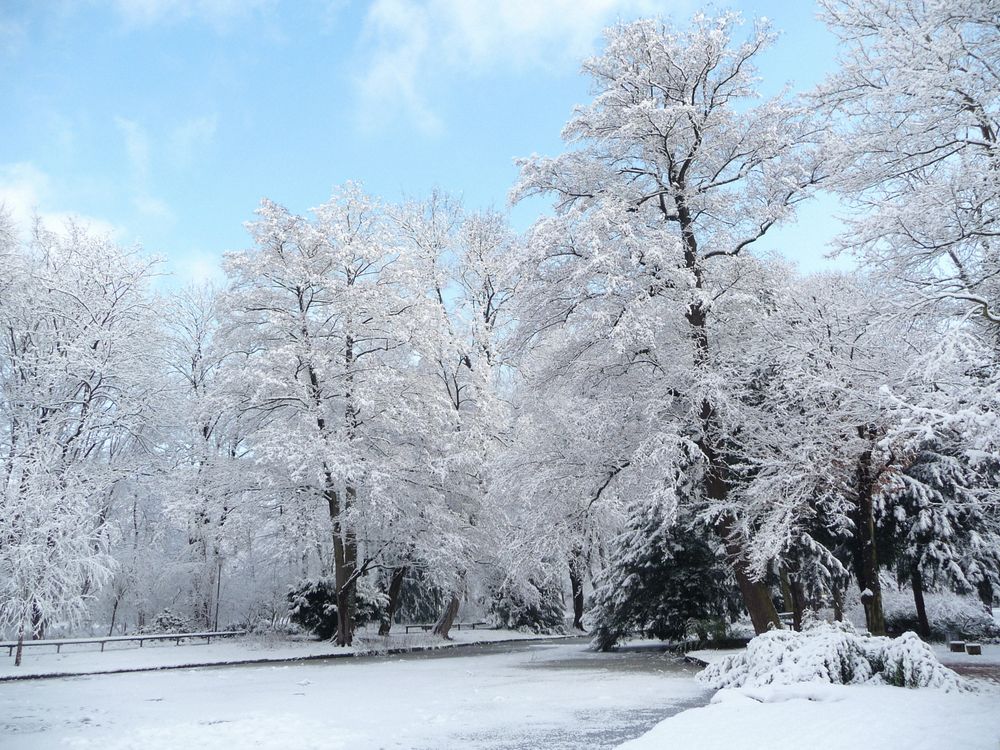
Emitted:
<point x="525" y="696"/>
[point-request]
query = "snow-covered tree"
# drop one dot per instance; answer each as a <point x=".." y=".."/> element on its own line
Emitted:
<point x="674" y="172"/>
<point x="76" y="391"/>
<point x="918" y="92"/>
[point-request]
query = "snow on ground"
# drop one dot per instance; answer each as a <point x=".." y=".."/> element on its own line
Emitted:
<point x="832" y="717"/>
<point x="557" y="696"/>
<point x="88" y="659"/>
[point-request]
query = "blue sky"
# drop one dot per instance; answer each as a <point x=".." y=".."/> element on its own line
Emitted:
<point x="166" y="121"/>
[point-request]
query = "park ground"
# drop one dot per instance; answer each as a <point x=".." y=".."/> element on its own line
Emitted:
<point x="509" y="695"/>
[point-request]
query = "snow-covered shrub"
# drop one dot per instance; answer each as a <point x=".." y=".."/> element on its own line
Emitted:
<point x="167" y="621"/>
<point x="533" y="606"/>
<point x="312" y="605"/>
<point x="833" y="653"/>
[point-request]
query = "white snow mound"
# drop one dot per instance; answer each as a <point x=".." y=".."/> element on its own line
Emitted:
<point x="832" y="653"/>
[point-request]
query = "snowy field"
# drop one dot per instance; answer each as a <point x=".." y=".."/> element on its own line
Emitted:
<point x="504" y="696"/>
<point x="523" y="696"/>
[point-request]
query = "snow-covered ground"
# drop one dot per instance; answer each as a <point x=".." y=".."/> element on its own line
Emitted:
<point x="839" y="717"/>
<point x="88" y="659"/>
<point x="526" y="696"/>
<point x="832" y="717"/>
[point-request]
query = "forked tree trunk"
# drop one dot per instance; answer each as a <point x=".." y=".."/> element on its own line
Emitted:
<point x="447" y="619"/>
<point x="917" y="582"/>
<point x="395" y="586"/>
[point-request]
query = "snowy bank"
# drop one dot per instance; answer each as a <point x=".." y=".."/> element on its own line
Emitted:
<point x="831" y="717"/>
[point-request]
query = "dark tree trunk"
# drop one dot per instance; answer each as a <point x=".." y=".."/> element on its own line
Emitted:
<point x="798" y="603"/>
<point x="576" y="585"/>
<point x="985" y="590"/>
<point x="341" y="569"/>
<point x="917" y="581"/>
<point x="866" y="557"/>
<point x="114" y="615"/>
<point x="756" y="597"/>
<point x="447" y="619"/>
<point x="838" y="603"/>
<point x="786" y="590"/>
<point x="395" y="586"/>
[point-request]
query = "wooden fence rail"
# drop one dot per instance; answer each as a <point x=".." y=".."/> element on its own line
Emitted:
<point x="176" y="637"/>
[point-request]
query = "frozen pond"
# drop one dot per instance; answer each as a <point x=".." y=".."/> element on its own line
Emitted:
<point x="554" y="695"/>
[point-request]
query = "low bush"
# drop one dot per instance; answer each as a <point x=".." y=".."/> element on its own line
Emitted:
<point x="834" y="653"/>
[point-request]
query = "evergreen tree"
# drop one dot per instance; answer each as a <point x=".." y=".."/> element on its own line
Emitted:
<point x="665" y="574"/>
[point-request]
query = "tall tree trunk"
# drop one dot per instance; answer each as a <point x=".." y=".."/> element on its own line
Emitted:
<point x="917" y="581"/>
<point x="341" y="577"/>
<point x="395" y="586"/>
<point x="576" y="586"/>
<point x="447" y="619"/>
<point x="756" y="597"/>
<point x="866" y="556"/>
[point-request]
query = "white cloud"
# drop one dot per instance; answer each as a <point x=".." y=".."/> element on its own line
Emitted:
<point x="413" y="39"/>
<point x="138" y="150"/>
<point x="27" y="192"/>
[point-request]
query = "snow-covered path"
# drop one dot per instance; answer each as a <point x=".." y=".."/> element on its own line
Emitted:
<point x="512" y="696"/>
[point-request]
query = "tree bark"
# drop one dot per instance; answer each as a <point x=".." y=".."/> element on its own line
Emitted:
<point x="576" y="585"/>
<point x="395" y="586"/>
<point x="798" y="603"/>
<point x="447" y="619"/>
<point x="866" y="557"/>
<point x="756" y="597"/>
<point x="341" y="575"/>
<point x="838" y="604"/>
<point x="20" y="645"/>
<point x="917" y="581"/>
